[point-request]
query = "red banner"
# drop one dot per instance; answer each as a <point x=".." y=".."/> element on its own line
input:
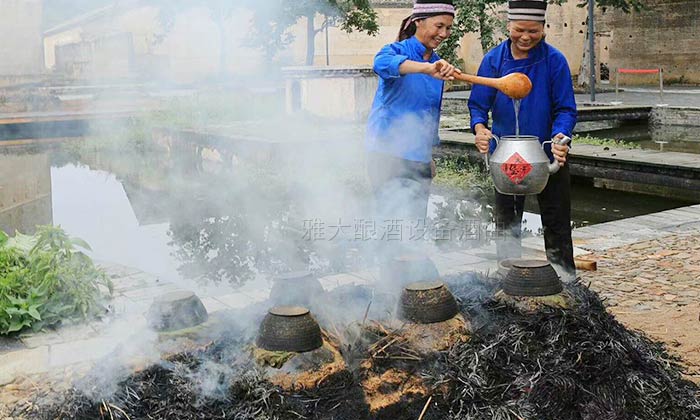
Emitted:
<point x="638" y="71"/>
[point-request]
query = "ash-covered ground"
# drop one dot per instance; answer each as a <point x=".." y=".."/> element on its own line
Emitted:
<point x="549" y="363"/>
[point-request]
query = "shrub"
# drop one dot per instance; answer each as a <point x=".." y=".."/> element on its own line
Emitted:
<point x="45" y="279"/>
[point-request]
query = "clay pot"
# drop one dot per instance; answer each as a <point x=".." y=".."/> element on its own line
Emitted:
<point x="504" y="267"/>
<point x="289" y="328"/>
<point x="175" y="311"/>
<point x="427" y="302"/>
<point x="532" y="278"/>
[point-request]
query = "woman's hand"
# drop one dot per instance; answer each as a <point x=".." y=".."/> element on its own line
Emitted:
<point x="442" y="70"/>
<point x="560" y="151"/>
<point x="483" y="137"/>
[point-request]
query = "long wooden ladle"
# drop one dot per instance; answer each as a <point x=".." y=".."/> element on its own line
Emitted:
<point x="514" y="85"/>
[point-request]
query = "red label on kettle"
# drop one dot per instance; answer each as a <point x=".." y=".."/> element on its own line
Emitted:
<point x="516" y="168"/>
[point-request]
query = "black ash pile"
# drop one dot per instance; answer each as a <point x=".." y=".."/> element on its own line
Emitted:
<point x="218" y="382"/>
<point x="578" y="363"/>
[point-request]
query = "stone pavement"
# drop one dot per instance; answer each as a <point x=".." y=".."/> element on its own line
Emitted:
<point x="645" y="96"/>
<point x="619" y="233"/>
<point x="644" y="263"/>
<point x="652" y="274"/>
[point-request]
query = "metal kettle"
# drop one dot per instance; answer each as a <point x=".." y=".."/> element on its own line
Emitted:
<point x="519" y="165"/>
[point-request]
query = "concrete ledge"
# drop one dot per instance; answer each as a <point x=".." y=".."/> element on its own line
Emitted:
<point x="303" y="72"/>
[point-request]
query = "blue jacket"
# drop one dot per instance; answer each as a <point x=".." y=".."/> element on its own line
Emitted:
<point x="548" y="110"/>
<point x="405" y="114"/>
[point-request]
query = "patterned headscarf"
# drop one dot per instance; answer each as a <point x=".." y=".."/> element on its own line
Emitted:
<point x="527" y="10"/>
<point x="427" y="8"/>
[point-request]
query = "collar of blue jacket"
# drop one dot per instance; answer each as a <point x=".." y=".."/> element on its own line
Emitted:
<point x="405" y="114"/>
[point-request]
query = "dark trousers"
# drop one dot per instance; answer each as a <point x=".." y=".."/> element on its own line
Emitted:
<point x="555" y="211"/>
<point x="401" y="187"/>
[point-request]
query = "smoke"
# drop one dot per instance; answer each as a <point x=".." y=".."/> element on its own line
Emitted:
<point x="219" y="177"/>
<point x="132" y="345"/>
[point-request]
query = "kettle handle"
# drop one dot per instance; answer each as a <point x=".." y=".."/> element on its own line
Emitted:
<point x="554" y="166"/>
<point x="486" y="155"/>
<point x="554" y="140"/>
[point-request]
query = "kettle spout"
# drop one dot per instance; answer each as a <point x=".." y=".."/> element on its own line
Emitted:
<point x="554" y="167"/>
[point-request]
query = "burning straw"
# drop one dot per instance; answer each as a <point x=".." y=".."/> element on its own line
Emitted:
<point x="578" y="363"/>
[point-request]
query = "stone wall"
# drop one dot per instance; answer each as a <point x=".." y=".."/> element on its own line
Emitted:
<point x="663" y="36"/>
<point x="684" y="116"/>
<point x="20" y="31"/>
<point x="565" y="30"/>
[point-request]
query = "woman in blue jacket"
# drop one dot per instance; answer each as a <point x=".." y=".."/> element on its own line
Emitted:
<point x="548" y="112"/>
<point x="403" y="122"/>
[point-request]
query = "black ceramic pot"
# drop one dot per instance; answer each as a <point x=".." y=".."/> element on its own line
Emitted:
<point x="289" y="328"/>
<point x="532" y="278"/>
<point x="175" y="311"/>
<point x="504" y="267"/>
<point x="427" y="302"/>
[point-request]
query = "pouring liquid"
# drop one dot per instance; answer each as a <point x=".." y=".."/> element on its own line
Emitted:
<point x="516" y="106"/>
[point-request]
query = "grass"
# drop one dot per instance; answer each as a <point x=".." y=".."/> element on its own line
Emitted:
<point x="457" y="173"/>
<point x="598" y="141"/>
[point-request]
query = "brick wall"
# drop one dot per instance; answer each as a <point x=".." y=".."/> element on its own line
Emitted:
<point x="663" y="36"/>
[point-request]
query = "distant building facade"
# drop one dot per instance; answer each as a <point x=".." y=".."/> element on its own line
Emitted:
<point x="128" y="40"/>
<point x="21" y="48"/>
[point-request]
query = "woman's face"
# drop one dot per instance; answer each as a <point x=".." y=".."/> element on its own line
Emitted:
<point x="433" y="30"/>
<point x="525" y="34"/>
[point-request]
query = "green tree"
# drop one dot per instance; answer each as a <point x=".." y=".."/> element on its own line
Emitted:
<point x="271" y="23"/>
<point x="482" y="17"/>
<point x="479" y="16"/>
<point x="272" y="20"/>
